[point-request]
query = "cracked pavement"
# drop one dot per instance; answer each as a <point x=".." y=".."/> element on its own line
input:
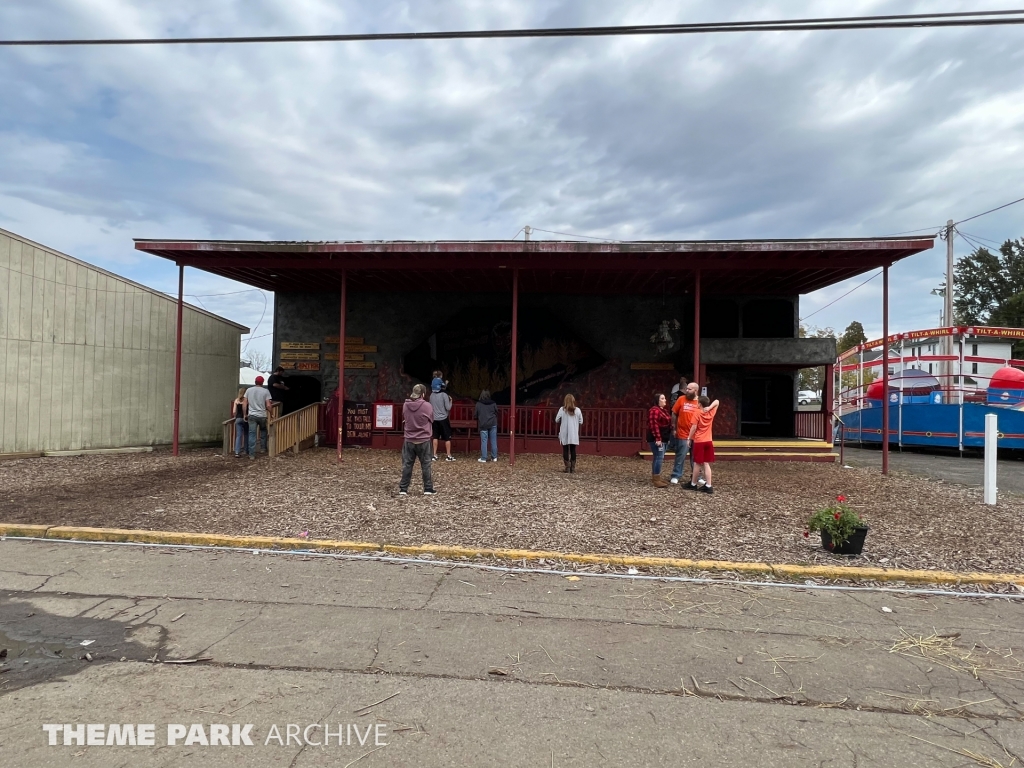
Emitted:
<point x="494" y="668"/>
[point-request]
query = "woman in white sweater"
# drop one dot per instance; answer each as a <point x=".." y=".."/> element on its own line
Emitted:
<point x="569" y="419"/>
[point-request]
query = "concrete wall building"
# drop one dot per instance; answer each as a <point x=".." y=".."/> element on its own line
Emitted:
<point x="87" y="358"/>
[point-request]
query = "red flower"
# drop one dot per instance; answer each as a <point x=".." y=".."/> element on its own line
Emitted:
<point x="807" y="534"/>
<point x="831" y="545"/>
<point x="836" y="515"/>
<point x="840" y="497"/>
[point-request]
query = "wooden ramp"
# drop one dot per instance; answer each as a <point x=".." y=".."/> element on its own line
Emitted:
<point x="770" y="449"/>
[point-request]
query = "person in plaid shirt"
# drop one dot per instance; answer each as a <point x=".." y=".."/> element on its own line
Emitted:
<point x="659" y="431"/>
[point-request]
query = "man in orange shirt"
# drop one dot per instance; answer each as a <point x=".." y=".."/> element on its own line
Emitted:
<point x="686" y="410"/>
<point x="703" y="444"/>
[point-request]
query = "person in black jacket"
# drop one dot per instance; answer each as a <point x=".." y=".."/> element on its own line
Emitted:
<point x="487" y="422"/>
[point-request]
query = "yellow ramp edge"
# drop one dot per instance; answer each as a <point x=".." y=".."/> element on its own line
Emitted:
<point x="848" y="572"/>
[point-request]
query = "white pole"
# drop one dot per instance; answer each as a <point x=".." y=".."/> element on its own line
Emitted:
<point x="991" y="452"/>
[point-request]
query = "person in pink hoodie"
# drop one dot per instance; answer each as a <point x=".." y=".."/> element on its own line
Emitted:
<point x="418" y="415"/>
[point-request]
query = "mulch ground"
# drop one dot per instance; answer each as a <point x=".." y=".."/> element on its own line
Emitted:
<point x="757" y="513"/>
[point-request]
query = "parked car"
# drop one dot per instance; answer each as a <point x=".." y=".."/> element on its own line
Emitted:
<point x="806" y="397"/>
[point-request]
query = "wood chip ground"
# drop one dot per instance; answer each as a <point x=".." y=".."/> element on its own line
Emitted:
<point x="757" y="513"/>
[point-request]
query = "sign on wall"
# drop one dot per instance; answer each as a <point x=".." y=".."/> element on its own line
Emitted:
<point x="348" y="340"/>
<point x="357" y="424"/>
<point x="383" y="416"/>
<point x="307" y="366"/>
<point x="300" y="356"/>
<point x="299" y="345"/>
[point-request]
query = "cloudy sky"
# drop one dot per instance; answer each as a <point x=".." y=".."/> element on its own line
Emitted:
<point x="766" y="135"/>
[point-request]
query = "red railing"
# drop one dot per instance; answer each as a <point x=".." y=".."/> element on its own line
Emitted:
<point x="539" y="421"/>
<point x="811" y="424"/>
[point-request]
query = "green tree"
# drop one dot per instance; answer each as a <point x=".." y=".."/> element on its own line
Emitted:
<point x="852" y="336"/>
<point x="989" y="286"/>
<point x="813" y="378"/>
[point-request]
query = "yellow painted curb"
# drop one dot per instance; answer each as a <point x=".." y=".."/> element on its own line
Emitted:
<point x="25" y="531"/>
<point x="846" y="572"/>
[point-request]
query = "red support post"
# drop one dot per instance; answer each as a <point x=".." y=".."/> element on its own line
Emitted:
<point x="177" y="361"/>
<point x="515" y="355"/>
<point x="341" y="362"/>
<point x="696" y="328"/>
<point x="885" y="370"/>
<point x="827" y="396"/>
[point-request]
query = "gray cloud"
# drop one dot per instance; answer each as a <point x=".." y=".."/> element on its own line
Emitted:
<point x="769" y="135"/>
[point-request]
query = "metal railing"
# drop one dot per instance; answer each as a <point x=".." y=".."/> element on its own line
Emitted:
<point x="289" y="431"/>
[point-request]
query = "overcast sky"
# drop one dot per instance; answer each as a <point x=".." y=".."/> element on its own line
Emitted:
<point x="766" y="135"/>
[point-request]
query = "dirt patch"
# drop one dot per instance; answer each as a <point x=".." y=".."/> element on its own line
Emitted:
<point x="757" y="513"/>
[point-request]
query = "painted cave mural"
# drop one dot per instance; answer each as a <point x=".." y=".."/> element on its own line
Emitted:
<point x="473" y="348"/>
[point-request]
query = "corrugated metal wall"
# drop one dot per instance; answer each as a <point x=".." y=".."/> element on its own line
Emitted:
<point x="87" y="358"/>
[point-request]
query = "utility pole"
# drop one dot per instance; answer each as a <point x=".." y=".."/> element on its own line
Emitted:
<point x="948" y="311"/>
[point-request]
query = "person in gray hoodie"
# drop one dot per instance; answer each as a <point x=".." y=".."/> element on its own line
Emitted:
<point x="418" y="416"/>
<point x="487" y="423"/>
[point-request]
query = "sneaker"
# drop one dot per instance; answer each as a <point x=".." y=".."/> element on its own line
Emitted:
<point x="495" y="458"/>
<point x="706" y="489"/>
<point x="674" y="481"/>
<point x="430" y="493"/>
<point x="691" y="487"/>
<point x="482" y="461"/>
<point x="433" y="458"/>
<point x="403" y="493"/>
<point x="449" y="458"/>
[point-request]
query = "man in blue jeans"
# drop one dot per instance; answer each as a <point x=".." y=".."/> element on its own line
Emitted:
<point x="487" y="423"/>
<point x="418" y="414"/>
<point x="257" y="402"/>
<point x="685" y="410"/>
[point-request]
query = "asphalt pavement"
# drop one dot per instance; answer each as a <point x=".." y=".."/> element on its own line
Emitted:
<point x="436" y="665"/>
<point x="963" y="470"/>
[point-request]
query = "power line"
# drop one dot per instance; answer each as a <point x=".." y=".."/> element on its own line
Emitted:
<point x="977" y="247"/>
<point x="979" y="237"/>
<point x="570" y="234"/>
<point x="914" y="231"/>
<point x="896" y="21"/>
<point x="841" y="297"/>
<point x="986" y="213"/>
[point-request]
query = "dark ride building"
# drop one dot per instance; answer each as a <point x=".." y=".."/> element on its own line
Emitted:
<point x="611" y="323"/>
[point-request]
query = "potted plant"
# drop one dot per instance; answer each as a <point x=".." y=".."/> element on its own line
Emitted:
<point x="842" y="530"/>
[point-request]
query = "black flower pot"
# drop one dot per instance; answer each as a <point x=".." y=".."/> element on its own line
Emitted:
<point x="852" y="546"/>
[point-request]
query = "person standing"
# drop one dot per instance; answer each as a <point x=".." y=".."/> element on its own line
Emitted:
<point x="677" y="390"/>
<point x="487" y="423"/>
<point x="659" y="432"/>
<point x="442" y="429"/>
<point x="686" y="410"/>
<point x="569" y="419"/>
<point x="241" y="425"/>
<point x="418" y="415"/>
<point x="257" y="408"/>
<point x="703" y="444"/>
<point x="279" y="389"/>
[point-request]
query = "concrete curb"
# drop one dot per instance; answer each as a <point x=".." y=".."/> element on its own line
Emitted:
<point x="854" y="573"/>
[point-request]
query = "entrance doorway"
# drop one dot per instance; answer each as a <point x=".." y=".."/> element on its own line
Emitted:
<point x="766" y="406"/>
<point x="302" y="391"/>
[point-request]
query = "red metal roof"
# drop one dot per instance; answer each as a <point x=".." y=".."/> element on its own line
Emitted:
<point x="727" y="266"/>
